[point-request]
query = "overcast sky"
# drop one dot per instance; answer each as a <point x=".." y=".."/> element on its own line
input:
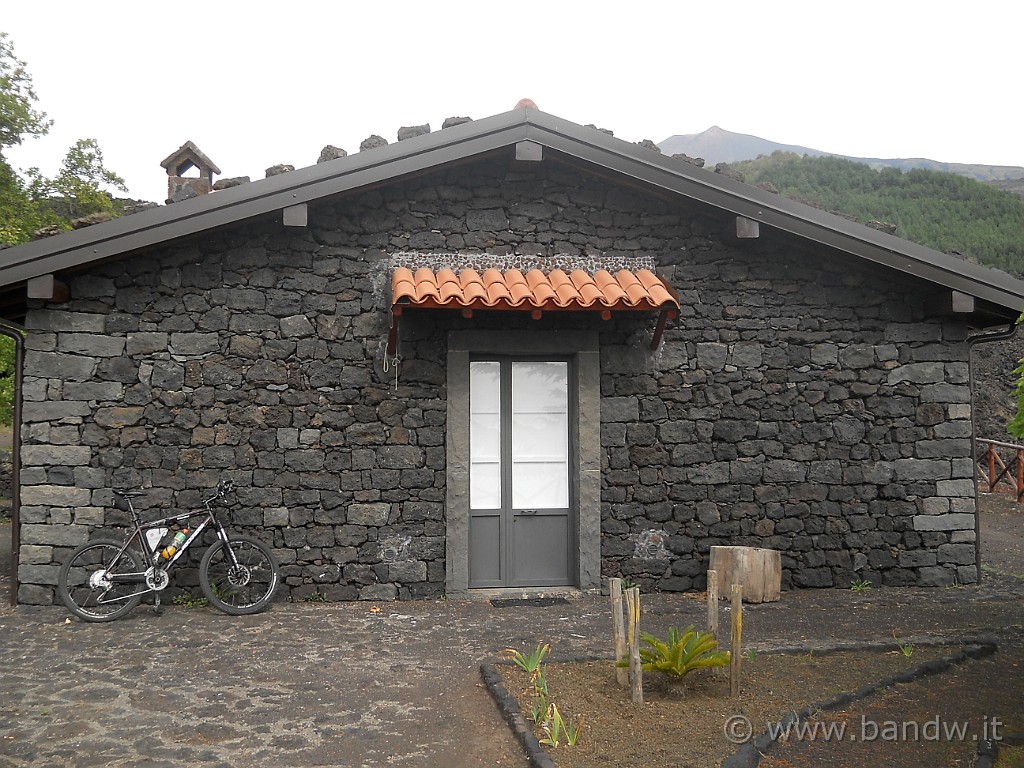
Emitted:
<point x="255" y="83"/>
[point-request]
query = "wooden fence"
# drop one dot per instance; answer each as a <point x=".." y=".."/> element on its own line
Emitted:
<point x="1000" y="467"/>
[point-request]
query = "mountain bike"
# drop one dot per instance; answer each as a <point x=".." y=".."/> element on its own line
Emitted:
<point x="104" y="579"/>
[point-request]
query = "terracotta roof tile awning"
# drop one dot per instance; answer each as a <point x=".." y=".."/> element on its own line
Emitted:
<point x="536" y="292"/>
<point x="511" y="289"/>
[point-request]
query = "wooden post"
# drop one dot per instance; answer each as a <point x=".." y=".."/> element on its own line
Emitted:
<point x="618" y="631"/>
<point x="991" y="467"/>
<point x="1020" y="474"/>
<point x="713" y="611"/>
<point x="713" y="602"/>
<point x="636" y="672"/>
<point x="736" y="648"/>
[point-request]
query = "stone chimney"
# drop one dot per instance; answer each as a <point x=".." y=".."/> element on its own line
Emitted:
<point x="179" y="188"/>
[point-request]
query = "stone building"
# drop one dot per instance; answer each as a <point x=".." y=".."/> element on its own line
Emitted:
<point x="514" y="353"/>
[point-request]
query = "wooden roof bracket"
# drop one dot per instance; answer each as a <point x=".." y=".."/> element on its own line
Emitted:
<point x="392" y="346"/>
<point x="666" y="314"/>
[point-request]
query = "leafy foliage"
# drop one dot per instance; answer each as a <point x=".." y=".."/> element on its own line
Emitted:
<point x="682" y="653"/>
<point x="6" y="380"/>
<point x="18" y="116"/>
<point x="30" y="203"/>
<point x="529" y="662"/>
<point x="77" y="190"/>
<point x="943" y="211"/>
<point x="556" y="728"/>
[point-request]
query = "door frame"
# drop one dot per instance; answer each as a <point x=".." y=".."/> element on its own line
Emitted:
<point x="582" y="347"/>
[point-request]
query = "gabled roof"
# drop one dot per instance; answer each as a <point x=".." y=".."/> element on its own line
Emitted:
<point x="999" y="294"/>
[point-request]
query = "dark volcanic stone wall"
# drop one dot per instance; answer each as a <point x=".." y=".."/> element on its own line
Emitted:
<point x="801" y="402"/>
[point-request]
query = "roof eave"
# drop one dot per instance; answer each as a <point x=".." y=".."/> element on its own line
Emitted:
<point x="460" y="142"/>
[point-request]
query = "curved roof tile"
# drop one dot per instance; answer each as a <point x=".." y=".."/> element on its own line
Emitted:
<point x="495" y="289"/>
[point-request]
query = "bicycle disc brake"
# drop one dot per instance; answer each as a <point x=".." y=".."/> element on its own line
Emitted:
<point x="238" y="575"/>
<point x="157" y="579"/>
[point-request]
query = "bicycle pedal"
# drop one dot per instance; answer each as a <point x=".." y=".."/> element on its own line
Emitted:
<point x="157" y="608"/>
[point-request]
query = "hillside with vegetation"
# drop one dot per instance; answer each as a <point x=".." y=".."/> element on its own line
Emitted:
<point x="947" y="212"/>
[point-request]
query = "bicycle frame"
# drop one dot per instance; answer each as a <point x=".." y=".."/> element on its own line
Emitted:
<point x="153" y="557"/>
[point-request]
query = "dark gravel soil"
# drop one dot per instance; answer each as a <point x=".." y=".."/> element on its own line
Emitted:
<point x="936" y="720"/>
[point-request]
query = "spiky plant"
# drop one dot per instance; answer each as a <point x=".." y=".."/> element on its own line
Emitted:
<point x="682" y="653"/>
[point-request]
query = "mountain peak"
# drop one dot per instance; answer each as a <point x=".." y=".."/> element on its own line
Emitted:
<point x="717" y="145"/>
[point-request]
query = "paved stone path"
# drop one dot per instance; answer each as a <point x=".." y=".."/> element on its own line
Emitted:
<point x="364" y="684"/>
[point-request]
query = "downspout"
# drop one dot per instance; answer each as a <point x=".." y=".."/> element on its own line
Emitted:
<point x="980" y="338"/>
<point x="17" y="333"/>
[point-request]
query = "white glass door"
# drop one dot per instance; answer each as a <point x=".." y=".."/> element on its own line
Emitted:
<point x="520" y="461"/>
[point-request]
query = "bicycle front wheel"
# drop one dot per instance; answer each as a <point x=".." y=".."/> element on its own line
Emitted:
<point x="93" y="582"/>
<point x="241" y="580"/>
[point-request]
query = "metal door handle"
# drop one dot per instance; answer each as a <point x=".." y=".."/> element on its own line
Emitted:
<point x="528" y="512"/>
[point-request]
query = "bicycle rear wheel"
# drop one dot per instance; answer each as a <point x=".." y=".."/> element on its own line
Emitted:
<point x="245" y="584"/>
<point x="88" y="584"/>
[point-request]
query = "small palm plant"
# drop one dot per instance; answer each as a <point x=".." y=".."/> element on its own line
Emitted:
<point x="683" y="653"/>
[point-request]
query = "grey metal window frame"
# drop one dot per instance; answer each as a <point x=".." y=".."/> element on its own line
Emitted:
<point x="583" y="351"/>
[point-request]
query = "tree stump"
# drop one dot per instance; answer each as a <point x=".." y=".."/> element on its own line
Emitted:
<point x="758" y="571"/>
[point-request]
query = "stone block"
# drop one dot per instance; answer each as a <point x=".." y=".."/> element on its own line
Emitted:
<point x="945" y="393"/>
<point x="119" y="417"/>
<point x="936" y="576"/>
<point x="785" y="471"/>
<point x="824" y="354"/>
<point x="93" y="344"/>
<point x="93" y="390"/>
<point x="857" y="356"/>
<point x="53" y="365"/>
<point x="400" y="457"/>
<point x="145" y="343"/>
<point x="955" y="488"/>
<point x="55" y="455"/>
<point x="745" y="354"/>
<point x="950" y="522"/>
<point x="936" y="505"/>
<point x="388" y="592"/>
<point x="194" y="343"/>
<point x="373" y="514"/>
<point x="38" y="574"/>
<point x="35" y="554"/>
<point x="921" y="469"/>
<point x="72" y="322"/>
<point x="407" y="571"/>
<point x="957" y="554"/>
<point x="917" y="559"/>
<point x="296" y="327"/>
<point x="35" y="594"/>
<point x="55" y="495"/>
<point x="917" y="373"/>
<point x="55" y="535"/>
<point x="712" y="356"/>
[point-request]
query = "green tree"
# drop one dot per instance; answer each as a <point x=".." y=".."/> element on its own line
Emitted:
<point x="6" y="381"/>
<point x="18" y="117"/>
<point x="77" y="189"/>
<point x="30" y="203"/>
